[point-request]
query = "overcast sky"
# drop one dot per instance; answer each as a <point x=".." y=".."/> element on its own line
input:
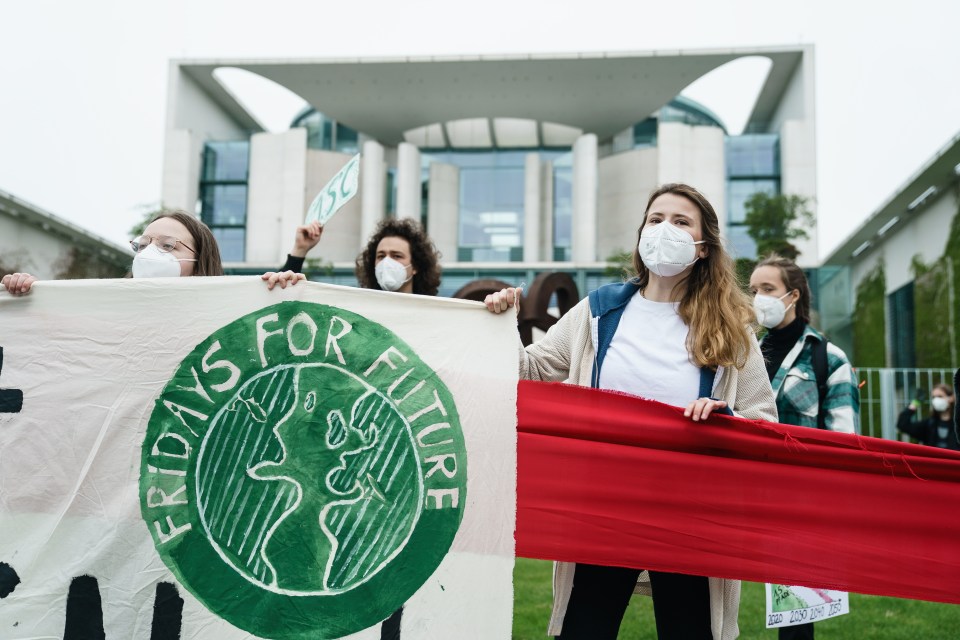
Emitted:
<point x="83" y="84"/>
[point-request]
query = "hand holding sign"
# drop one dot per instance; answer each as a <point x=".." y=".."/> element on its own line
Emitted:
<point x="341" y="188"/>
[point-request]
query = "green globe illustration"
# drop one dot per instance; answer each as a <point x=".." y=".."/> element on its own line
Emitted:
<point x="308" y="481"/>
<point x="303" y="472"/>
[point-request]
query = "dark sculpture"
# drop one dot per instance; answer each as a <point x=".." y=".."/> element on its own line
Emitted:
<point x="533" y="303"/>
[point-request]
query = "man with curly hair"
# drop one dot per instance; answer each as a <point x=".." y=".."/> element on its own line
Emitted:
<point x="399" y="256"/>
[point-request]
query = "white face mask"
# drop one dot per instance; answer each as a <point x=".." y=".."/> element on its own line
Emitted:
<point x="391" y="275"/>
<point x="153" y="263"/>
<point x="939" y="403"/>
<point x="770" y="311"/>
<point x="666" y="249"/>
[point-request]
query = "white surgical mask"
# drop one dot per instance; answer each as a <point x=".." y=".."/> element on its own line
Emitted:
<point x="770" y="311"/>
<point x="391" y="275"/>
<point x="939" y="403"/>
<point x="153" y="263"/>
<point x="666" y="249"/>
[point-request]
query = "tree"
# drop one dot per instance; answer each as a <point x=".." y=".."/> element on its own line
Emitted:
<point x="619" y="265"/>
<point x="774" y="220"/>
<point x="147" y="213"/>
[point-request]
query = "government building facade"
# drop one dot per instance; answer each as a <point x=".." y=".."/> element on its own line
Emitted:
<point x="515" y="164"/>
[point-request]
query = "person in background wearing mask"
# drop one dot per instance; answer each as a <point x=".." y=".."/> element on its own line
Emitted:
<point x="680" y="333"/>
<point x="398" y="257"/>
<point x="174" y="244"/>
<point x="811" y="377"/>
<point x="937" y="430"/>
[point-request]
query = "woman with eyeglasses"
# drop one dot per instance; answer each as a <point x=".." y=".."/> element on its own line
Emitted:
<point x="174" y="244"/>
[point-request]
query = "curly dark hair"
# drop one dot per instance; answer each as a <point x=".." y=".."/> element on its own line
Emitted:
<point x="423" y="255"/>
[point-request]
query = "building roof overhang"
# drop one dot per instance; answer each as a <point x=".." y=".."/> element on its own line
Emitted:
<point x="600" y="93"/>
<point x="47" y="222"/>
<point x="933" y="178"/>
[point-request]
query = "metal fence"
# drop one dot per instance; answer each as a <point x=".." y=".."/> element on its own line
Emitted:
<point x="884" y="393"/>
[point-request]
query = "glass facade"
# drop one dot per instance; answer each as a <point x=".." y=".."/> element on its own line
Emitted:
<point x="900" y="310"/>
<point x="326" y="133"/>
<point x="562" y="207"/>
<point x="492" y="185"/>
<point x="645" y="134"/>
<point x="834" y="303"/>
<point x="223" y="195"/>
<point x="687" y="111"/>
<point x="753" y="166"/>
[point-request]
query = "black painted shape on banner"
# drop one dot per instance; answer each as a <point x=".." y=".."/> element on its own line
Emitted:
<point x="84" y="610"/>
<point x="167" y="613"/>
<point x="8" y="579"/>
<point x="11" y="400"/>
<point x="390" y="629"/>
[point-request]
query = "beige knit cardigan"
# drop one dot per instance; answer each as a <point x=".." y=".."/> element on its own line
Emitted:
<point x="567" y="353"/>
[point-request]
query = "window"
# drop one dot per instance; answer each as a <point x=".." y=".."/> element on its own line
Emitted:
<point x="492" y="189"/>
<point x="753" y="166"/>
<point x="223" y="196"/>
<point x="902" y="334"/>
<point x="739" y="191"/>
<point x="562" y="207"/>
<point x="326" y="133"/>
<point x="753" y="155"/>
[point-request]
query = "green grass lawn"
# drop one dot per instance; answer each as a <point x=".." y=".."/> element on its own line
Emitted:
<point x="870" y="617"/>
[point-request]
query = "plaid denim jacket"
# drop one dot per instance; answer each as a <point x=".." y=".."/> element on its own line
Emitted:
<point x="795" y="386"/>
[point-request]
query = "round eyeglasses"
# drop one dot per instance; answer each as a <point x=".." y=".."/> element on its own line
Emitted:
<point x="165" y="244"/>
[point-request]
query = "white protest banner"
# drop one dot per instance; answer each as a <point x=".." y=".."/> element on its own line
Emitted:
<point x="341" y="188"/>
<point x="789" y="605"/>
<point x="203" y="458"/>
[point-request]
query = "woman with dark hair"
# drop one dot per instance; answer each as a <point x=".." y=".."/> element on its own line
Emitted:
<point x="174" y="244"/>
<point x="811" y="377"/>
<point x="781" y="302"/>
<point x="399" y="256"/>
<point x="937" y="429"/>
<point x="680" y="333"/>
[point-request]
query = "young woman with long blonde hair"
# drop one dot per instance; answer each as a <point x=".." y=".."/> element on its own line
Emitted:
<point x="680" y="333"/>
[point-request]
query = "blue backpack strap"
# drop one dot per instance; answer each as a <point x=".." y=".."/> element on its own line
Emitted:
<point x="606" y="305"/>
<point x="707" y="376"/>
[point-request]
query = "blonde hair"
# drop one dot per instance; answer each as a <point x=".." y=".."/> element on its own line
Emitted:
<point x="717" y="311"/>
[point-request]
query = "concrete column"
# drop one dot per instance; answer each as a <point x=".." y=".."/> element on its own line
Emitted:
<point x="409" y="196"/>
<point x="276" y="194"/>
<point x="182" y="163"/>
<point x="798" y="166"/>
<point x="546" y="211"/>
<point x="443" y="209"/>
<point x="584" y="225"/>
<point x="531" y="208"/>
<point x="373" y="188"/>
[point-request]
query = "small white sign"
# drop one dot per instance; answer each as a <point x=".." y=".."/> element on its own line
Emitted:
<point x="341" y="188"/>
<point x="788" y="606"/>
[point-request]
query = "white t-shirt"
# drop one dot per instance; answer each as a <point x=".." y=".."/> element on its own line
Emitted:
<point x="648" y="355"/>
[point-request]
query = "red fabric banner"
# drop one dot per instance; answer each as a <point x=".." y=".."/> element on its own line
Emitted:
<point x="612" y="479"/>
